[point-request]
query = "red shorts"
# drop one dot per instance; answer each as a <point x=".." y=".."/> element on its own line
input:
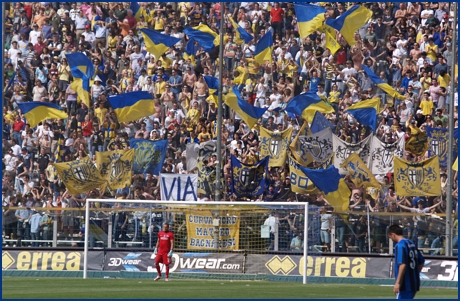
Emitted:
<point x="163" y="258"/>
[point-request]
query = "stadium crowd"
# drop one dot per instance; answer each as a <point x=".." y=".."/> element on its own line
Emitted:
<point x="409" y="45"/>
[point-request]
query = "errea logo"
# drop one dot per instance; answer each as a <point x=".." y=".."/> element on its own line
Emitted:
<point x="285" y="265"/>
<point x="7" y="261"/>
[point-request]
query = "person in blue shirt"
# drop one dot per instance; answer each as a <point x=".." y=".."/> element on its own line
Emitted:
<point x="408" y="263"/>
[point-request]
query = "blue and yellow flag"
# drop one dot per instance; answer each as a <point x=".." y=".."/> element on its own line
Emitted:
<point x="366" y="112"/>
<point x="264" y="49"/>
<point x="241" y="35"/>
<point x="320" y="122"/>
<point x="455" y="165"/>
<point x="420" y="178"/>
<point x="204" y="35"/>
<point x="381" y="84"/>
<point x="249" y="180"/>
<point x="10" y="83"/>
<point x="148" y="155"/>
<point x="309" y="18"/>
<point x="332" y="184"/>
<point x="61" y="151"/>
<point x="307" y="104"/>
<point x="35" y="111"/>
<point x="360" y="174"/>
<point x="79" y="176"/>
<point x="438" y="139"/>
<point x="190" y="51"/>
<point x="275" y="145"/>
<point x="249" y="113"/>
<point x="213" y="87"/>
<point x="138" y="11"/>
<point x="157" y="43"/>
<point x="296" y="147"/>
<point x="331" y="42"/>
<point x="132" y="105"/>
<point x="116" y="167"/>
<point x="350" y="21"/>
<point x="417" y="143"/>
<point x="82" y="70"/>
<point x="300" y="183"/>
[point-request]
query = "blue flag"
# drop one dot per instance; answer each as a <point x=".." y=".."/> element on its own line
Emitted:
<point x="319" y="123"/>
<point x="148" y="155"/>
<point x="438" y="140"/>
<point x="249" y="180"/>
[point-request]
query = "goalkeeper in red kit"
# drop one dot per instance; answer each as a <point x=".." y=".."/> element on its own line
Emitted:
<point x="164" y="250"/>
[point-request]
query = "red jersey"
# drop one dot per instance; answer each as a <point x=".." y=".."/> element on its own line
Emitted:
<point x="165" y="241"/>
<point x="277" y="15"/>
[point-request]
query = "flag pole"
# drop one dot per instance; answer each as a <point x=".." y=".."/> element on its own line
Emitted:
<point x="451" y="137"/>
<point x="219" y="106"/>
<point x="3" y="57"/>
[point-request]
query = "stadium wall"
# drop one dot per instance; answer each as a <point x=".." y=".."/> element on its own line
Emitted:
<point x="236" y="265"/>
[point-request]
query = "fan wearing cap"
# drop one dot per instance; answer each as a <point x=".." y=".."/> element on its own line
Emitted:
<point x="420" y="118"/>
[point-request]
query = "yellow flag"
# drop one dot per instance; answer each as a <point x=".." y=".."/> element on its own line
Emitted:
<point x="455" y="166"/>
<point x="79" y="176"/>
<point x="300" y="183"/>
<point x="417" y="178"/>
<point x="275" y="145"/>
<point x="417" y="142"/>
<point x="360" y="174"/>
<point x="331" y="42"/>
<point x="116" y="167"/>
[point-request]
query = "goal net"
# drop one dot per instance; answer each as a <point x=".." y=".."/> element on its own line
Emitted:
<point x="219" y="240"/>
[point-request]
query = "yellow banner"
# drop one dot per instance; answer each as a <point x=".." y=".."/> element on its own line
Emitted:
<point x="116" y="167"/>
<point x="417" y="142"/>
<point x="79" y="176"/>
<point x="417" y="178"/>
<point x="275" y="145"/>
<point x="300" y="183"/>
<point x="200" y="231"/>
<point x="360" y="174"/>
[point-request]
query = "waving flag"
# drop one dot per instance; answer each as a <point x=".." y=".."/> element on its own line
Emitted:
<point x="249" y="113"/>
<point x="241" y="35"/>
<point x="138" y="11"/>
<point x="417" y="143"/>
<point x="381" y="84"/>
<point x="350" y="21"/>
<point x="82" y="70"/>
<point x="320" y="122"/>
<point x="331" y="42"/>
<point x="132" y="105"/>
<point x="309" y="18"/>
<point x="249" y="180"/>
<point x="157" y="43"/>
<point x="190" y="51"/>
<point x="116" y="167"/>
<point x="332" y="184"/>
<point x="79" y="176"/>
<point x="148" y="155"/>
<point x="360" y="174"/>
<point x="366" y="112"/>
<point x="342" y="151"/>
<point x="35" y="111"/>
<point x="205" y="37"/>
<point x="264" y="49"/>
<point x="307" y="104"/>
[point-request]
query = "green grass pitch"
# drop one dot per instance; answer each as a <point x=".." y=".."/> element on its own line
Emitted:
<point x="77" y="288"/>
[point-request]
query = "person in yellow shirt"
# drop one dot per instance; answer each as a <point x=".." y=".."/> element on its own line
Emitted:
<point x="443" y="79"/>
<point x="100" y="112"/>
<point x="425" y="80"/>
<point x="160" y="86"/>
<point x="334" y="98"/>
<point x="193" y="115"/>
<point x="431" y="50"/>
<point x="426" y="104"/>
<point x="166" y="63"/>
<point x="158" y="23"/>
<point x="291" y="68"/>
<point x="242" y="72"/>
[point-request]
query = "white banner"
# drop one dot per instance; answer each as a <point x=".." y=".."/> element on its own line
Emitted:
<point x="319" y="145"/>
<point x="381" y="158"/>
<point x="192" y="155"/>
<point x="343" y="149"/>
<point x="175" y="187"/>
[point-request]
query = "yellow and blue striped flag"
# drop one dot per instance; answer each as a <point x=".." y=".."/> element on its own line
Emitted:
<point x="366" y="112"/>
<point x="82" y="70"/>
<point x="132" y="105"/>
<point x="138" y="11"/>
<point x="264" y="49"/>
<point x="241" y="35"/>
<point x="35" y="112"/>
<point x="157" y="43"/>
<point x="309" y="18"/>
<point x="307" y="104"/>
<point x="381" y="84"/>
<point x="249" y="113"/>
<point x="350" y="21"/>
<point x="204" y="35"/>
<point x="332" y="184"/>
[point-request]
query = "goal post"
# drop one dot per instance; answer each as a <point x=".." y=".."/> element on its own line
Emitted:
<point x="243" y="234"/>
